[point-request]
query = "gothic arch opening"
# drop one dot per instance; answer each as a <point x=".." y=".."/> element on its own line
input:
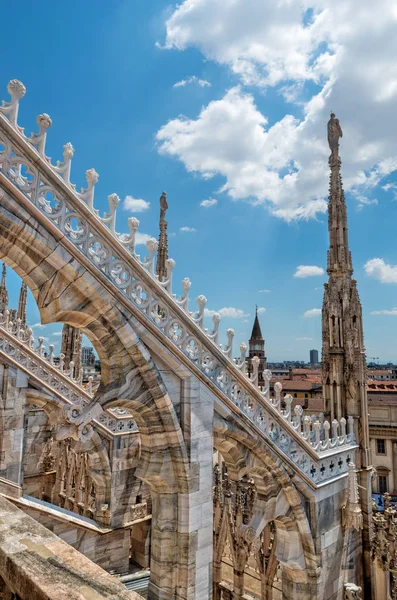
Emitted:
<point x="274" y="542"/>
<point x="67" y="292"/>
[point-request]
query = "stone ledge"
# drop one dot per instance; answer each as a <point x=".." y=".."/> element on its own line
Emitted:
<point x="37" y="565"/>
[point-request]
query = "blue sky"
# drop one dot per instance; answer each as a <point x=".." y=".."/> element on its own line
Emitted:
<point x="247" y="128"/>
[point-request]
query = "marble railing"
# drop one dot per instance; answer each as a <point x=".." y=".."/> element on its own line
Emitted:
<point x="18" y="345"/>
<point x="24" y="164"/>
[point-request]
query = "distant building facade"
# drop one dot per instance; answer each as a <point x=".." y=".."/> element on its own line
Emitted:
<point x="314" y="357"/>
<point x="88" y="356"/>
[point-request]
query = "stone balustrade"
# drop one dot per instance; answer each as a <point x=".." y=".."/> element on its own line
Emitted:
<point x="18" y="345"/>
<point x="319" y="449"/>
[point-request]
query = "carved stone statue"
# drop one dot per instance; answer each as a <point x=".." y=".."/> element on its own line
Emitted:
<point x="352" y="591"/>
<point x="163" y="206"/>
<point x="334" y="133"/>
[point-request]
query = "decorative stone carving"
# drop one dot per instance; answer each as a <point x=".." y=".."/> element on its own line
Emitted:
<point x="113" y="254"/>
<point x="235" y="538"/>
<point x="352" y="591"/>
<point x="352" y="517"/>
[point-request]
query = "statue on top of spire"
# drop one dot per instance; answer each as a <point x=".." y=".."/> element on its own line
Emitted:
<point x="163" y="206"/>
<point x="334" y="133"/>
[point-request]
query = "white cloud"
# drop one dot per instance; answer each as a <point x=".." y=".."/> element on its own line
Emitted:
<point x="264" y="291"/>
<point x="337" y="47"/>
<point x="187" y="229"/>
<point x="304" y="339"/>
<point x="141" y="238"/>
<point x="38" y="326"/>
<point x="316" y="289"/>
<point x="393" y="312"/>
<point x="227" y="312"/>
<point x="378" y="269"/>
<point x="209" y="202"/>
<point x="261" y="310"/>
<point x="308" y="271"/>
<point x="313" y="312"/>
<point x="192" y="79"/>
<point x="135" y="204"/>
<point x="56" y="333"/>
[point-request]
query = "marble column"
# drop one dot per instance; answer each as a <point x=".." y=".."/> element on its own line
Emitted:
<point x="13" y="384"/>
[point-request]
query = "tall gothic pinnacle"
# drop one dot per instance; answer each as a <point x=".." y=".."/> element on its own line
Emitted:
<point x="339" y="257"/>
<point x="162" y="253"/>
<point x="3" y="290"/>
<point x="21" y="314"/>
<point x="3" y="276"/>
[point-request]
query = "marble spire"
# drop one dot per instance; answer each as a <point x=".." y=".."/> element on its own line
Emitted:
<point x="71" y="348"/>
<point x="162" y="252"/>
<point x="3" y="290"/>
<point x="21" y="313"/>
<point x="343" y="352"/>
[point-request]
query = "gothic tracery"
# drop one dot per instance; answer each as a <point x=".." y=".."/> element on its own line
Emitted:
<point x="243" y="562"/>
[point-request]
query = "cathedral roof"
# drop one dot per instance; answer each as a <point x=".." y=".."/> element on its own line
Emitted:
<point x="256" y="330"/>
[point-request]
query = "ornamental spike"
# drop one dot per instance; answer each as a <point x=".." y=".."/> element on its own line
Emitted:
<point x="17" y="90"/>
<point x="109" y="218"/>
<point x="184" y="299"/>
<point x="352" y="517"/>
<point x="151" y="246"/>
<point x="38" y="140"/>
<point x="63" y="168"/>
<point x="228" y="351"/>
<point x="267" y="375"/>
<point x="198" y="317"/>
<point x="170" y="264"/>
<point x="288" y="403"/>
<point x="129" y="240"/>
<point x="87" y="194"/>
<point x="255" y="369"/>
<point x="214" y="335"/>
<point x="40" y="347"/>
<point x="241" y="364"/>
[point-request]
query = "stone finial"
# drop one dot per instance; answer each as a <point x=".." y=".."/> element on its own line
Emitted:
<point x="198" y="316"/>
<point x="39" y="139"/>
<point x="109" y="218"/>
<point x="63" y="168"/>
<point x="351" y="512"/>
<point x="352" y="591"/>
<point x="151" y="246"/>
<point x="44" y="121"/>
<point x="68" y="150"/>
<point x="184" y="299"/>
<point x="228" y="351"/>
<point x="17" y="90"/>
<point x="87" y="194"/>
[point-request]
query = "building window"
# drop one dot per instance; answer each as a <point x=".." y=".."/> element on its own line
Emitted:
<point x="306" y="395"/>
<point x="382" y="484"/>
<point x="380" y="447"/>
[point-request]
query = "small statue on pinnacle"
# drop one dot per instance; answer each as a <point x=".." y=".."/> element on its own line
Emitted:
<point x="163" y="206"/>
<point x="334" y="133"/>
